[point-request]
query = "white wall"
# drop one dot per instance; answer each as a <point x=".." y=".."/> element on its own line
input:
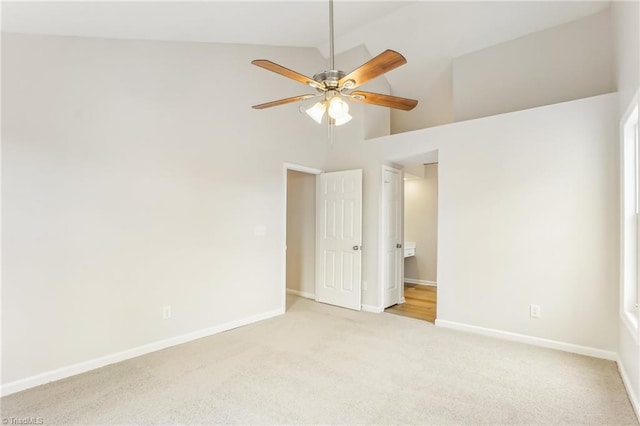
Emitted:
<point x="626" y="47"/>
<point x="301" y="232"/>
<point x="626" y="37"/>
<point x="436" y="93"/>
<point x="421" y="225"/>
<point x="528" y="213"/>
<point x="571" y="61"/>
<point x="448" y="30"/>
<point x="134" y="174"/>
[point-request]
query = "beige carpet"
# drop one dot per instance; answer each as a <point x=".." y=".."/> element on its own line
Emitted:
<point x="320" y="364"/>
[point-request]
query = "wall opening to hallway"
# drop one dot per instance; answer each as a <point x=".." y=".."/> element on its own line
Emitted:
<point x="300" y="233"/>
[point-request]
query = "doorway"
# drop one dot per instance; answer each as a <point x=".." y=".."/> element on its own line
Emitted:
<point x="300" y="229"/>
<point x="420" y="243"/>
<point x="323" y="236"/>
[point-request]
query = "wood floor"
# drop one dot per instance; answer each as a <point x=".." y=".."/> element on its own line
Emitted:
<point x="420" y="303"/>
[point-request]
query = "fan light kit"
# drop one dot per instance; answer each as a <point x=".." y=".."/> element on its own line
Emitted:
<point x="337" y="109"/>
<point x="335" y="86"/>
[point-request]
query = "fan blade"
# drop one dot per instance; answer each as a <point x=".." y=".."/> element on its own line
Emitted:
<point x="384" y="62"/>
<point x="279" y="69"/>
<point x="384" y="100"/>
<point x="284" y="101"/>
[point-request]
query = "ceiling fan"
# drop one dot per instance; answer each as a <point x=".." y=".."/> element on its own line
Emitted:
<point x="334" y="86"/>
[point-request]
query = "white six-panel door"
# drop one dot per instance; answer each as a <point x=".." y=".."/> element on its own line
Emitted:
<point x="391" y="238"/>
<point x="339" y="239"/>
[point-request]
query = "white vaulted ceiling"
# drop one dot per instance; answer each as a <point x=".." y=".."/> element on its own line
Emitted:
<point x="425" y="32"/>
<point x="278" y="23"/>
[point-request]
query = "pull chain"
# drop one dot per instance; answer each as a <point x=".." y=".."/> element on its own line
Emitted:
<point x="330" y="125"/>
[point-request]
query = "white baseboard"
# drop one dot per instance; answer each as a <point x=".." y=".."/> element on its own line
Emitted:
<point x="304" y="294"/>
<point x="635" y="403"/>
<point x="420" y="282"/>
<point x="82" y="367"/>
<point x="374" y="309"/>
<point x="536" y="341"/>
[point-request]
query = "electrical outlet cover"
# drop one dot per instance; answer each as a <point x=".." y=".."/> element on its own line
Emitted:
<point x="534" y="311"/>
<point x="166" y="312"/>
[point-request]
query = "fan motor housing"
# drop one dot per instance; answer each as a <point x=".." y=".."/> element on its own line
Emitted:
<point x="329" y="78"/>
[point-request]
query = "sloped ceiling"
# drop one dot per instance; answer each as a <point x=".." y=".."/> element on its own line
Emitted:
<point x="427" y="33"/>
<point x="290" y="23"/>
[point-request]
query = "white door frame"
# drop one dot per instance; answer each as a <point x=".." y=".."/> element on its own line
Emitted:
<point x="285" y="168"/>
<point x="629" y="232"/>
<point x="381" y="264"/>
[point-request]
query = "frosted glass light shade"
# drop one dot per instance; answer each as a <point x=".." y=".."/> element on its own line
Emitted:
<point x="338" y="108"/>
<point x="317" y="112"/>
<point x="345" y="118"/>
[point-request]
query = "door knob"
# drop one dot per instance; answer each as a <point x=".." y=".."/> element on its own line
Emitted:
<point x="356" y="248"/>
<point x="398" y="245"/>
